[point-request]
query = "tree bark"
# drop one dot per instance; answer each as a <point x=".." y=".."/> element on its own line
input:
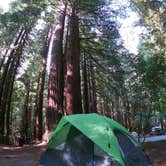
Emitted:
<point x="76" y="52"/>
<point x="93" y="88"/>
<point x="4" y="99"/>
<point x="8" y="109"/>
<point x="1" y="63"/>
<point x="85" y="84"/>
<point x="38" y="130"/>
<point x="8" y="79"/>
<point x="54" y="108"/>
<point x="10" y="54"/>
<point x="72" y="87"/>
<point x="26" y="111"/>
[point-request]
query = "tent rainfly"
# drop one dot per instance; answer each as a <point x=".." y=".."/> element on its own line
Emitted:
<point x="92" y="140"/>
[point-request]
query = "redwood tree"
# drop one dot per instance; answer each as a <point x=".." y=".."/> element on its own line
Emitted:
<point x="72" y="87"/>
<point x="10" y="68"/>
<point x="54" y="107"/>
<point x="38" y="124"/>
<point x="26" y="113"/>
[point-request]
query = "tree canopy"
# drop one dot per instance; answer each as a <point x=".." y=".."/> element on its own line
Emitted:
<point x="67" y="57"/>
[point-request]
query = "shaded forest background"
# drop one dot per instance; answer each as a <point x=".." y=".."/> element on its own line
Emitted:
<point x="62" y="57"/>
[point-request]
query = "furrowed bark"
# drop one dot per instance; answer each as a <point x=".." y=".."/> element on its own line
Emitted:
<point x="11" y="53"/>
<point x="54" y="109"/>
<point x="38" y="130"/>
<point x="72" y="86"/>
<point x="10" y="75"/>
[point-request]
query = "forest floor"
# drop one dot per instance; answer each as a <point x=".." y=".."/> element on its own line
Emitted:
<point x="29" y="155"/>
<point x="157" y="152"/>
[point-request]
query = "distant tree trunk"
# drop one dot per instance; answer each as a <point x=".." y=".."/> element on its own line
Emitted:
<point x="2" y="62"/>
<point x="76" y="52"/>
<point x="12" y="62"/>
<point x="10" y="54"/>
<point x="6" y="93"/>
<point x="161" y="121"/>
<point x="26" y="110"/>
<point x="130" y="117"/>
<point x="8" y="112"/>
<point x="118" y="111"/>
<point x="13" y="76"/>
<point x="38" y="130"/>
<point x="111" y="109"/>
<point x="5" y="98"/>
<point x="85" y="85"/>
<point x="126" y="112"/>
<point x="72" y="88"/>
<point x="9" y="50"/>
<point x="69" y="75"/>
<point x="161" y="118"/>
<point x="8" y="79"/>
<point x="54" y="107"/>
<point x="93" y="88"/>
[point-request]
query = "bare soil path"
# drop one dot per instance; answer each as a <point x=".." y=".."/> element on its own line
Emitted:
<point x="29" y="155"/>
<point x="156" y="152"/>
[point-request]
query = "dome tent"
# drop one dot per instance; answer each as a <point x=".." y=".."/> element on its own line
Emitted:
<point x="92" y="140"/>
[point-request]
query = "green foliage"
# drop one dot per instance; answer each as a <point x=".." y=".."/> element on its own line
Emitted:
<point x="17" y="105"/>
<point x="131" y="84"/>
<point x="152" y="58"/>
<point x="144" y="121"/>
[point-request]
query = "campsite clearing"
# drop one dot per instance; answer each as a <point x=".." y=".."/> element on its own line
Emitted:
<point x="29" y="155"/>
<point x="156" y="152"/>
<point x="21" y="156"/>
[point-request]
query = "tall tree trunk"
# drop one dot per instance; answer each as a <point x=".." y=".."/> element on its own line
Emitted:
<point x="26" y="111"/>
<point x="161" y="118"/>
<point x="38" y="130"/>
<point x="8" y="109"/>
<point x="118" y="112"/>
<point x="1" y="63"/>
<point x="4" y="99"/>
<point x="85" y="84"/>
<point x="111" y="113"/>
<point x="11" y="72"/>
<point x="72" y="86"/>
<point x="13" y="44"/>
<point x="69" y="76"/>
<point x="76" y="52"/>
<point x="127" y="113"/>
<point x="113" y="110"/>
<point x="14" y="56"/>
<point x="10" y="54"/>
<point x="13" y="76"/>
<point x="93" y="88"/>
<point x="54" y="109"/>
<point x="6" y="94"/>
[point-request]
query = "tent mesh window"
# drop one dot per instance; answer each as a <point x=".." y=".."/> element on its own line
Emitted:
<point x="77" y="150"/>
<point x="132" y="154"/>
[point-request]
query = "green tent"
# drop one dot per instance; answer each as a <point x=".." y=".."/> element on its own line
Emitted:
<point x="92" y="136"/>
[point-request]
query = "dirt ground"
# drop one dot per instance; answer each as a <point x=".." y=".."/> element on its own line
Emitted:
<point x="156" y="152"/>
<point x="29" y="155"/>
